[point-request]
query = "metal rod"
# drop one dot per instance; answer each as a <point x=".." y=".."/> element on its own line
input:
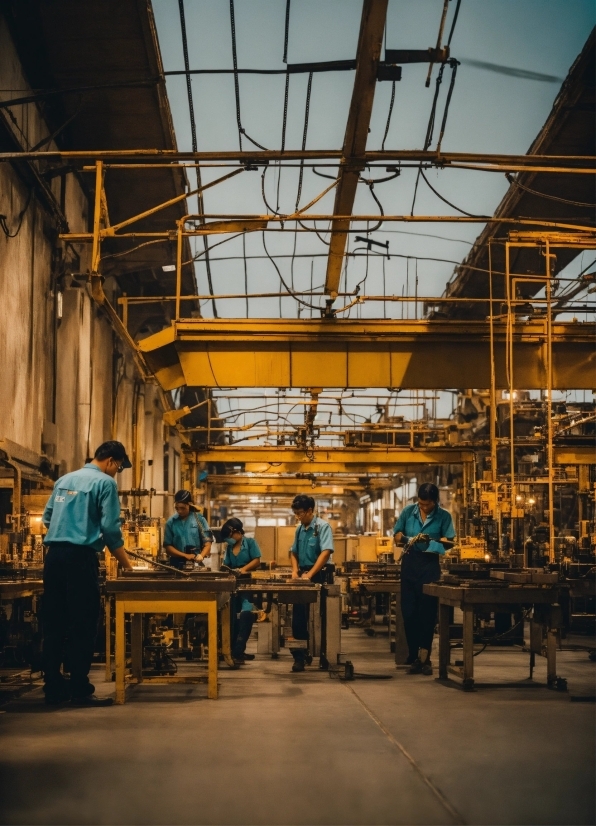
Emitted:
<point x="415" y="155"/>
<point x="158" y="564"/>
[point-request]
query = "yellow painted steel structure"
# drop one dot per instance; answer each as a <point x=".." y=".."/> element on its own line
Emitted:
<point x="350" y="353"/>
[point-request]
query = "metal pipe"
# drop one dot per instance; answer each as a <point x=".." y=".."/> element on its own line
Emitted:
<point x="415" y="155"/>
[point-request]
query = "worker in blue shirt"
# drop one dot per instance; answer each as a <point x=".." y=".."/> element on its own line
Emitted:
<point x="187" y="537"/>
<point x="309" y="555"/>
<point x="432" y="528"/>
<point x="82" y="517"/>
<point x="243" y="555"/>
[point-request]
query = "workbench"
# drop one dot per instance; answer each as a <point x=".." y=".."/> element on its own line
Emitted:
<point x="19" y="589"/>
<point x="292" y="592"/>
<point x="139" y="594"/>
<point x="471" y="597"/>
<point x="368" y="584"/>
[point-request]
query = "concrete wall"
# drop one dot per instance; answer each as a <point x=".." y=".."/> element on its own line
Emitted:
<point x="67" y="383"/>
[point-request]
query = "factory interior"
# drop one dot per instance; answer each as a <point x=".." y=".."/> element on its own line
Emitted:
<point x="188" y="268"/>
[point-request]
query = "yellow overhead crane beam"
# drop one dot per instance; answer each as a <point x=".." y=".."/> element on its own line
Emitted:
<point x="350" y="353"/>
<point x="284" y="486"/>
<point x="331" y="460"/>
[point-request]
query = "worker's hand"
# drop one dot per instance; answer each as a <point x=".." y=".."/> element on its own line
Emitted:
<point x="191" y="557"/>
<point x="295" y="575"/>
<point x="306" y="575"/>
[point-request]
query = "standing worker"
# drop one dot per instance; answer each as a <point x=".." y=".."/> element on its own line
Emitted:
<point x="432" y="527"/>
<point x="187" y="537"/>
<point x="82" y="517"/>
<point x="309" y="555"/>
<point x="243" y="555"/>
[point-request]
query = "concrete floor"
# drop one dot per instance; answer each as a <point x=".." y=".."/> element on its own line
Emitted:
<point x="278" y="748"/>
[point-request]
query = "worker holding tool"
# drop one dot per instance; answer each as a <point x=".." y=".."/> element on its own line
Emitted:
<point x="427" y="531"/>
<point x="82" y="517"/>
<point x="309" y="555"/>
<point x="242" y="556"/>
<point x="187" y="537"/>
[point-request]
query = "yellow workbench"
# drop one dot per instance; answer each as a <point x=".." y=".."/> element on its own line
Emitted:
<point x="139" y="594"/>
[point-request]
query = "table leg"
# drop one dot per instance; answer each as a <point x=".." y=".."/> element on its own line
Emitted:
<point x="468" y="648"/>
<point x="444" y="650"/>
<point x="108" y="610"/>
<point x="120" y="654"/>
<point x="333" y="625"/>
<point x="401" y="645"/>
<point x="136" y="646"/>
<point x="212" y="631"/>
<point x="551" y="656"/>
<point x="275" y="630"/>
<point x="225" y="618"/>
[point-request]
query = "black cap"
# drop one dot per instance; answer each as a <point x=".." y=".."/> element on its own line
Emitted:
<point x="113" y="450"/>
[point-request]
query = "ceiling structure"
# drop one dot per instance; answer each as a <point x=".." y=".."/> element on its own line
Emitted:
<point x="99" y="76"/>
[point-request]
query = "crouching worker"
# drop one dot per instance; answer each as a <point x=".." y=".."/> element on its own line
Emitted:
<point x="187" y="536"/>
<point x="420" y="566"/>
<point x="243" y="555"/>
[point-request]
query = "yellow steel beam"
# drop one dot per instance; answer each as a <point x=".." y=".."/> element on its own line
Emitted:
<point x="372" y="26"/>
<point x="273" y="484"/>
<point x="348" y="353"/>
<point x="567" y="162"/>
<point x="331" y="458"/>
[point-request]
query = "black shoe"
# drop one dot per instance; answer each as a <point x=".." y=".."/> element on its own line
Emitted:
<point x="427" y="668"/>
<point x="56" y="699"/>
<point x="416" y="667"/>
<point x="248" y="656"/>
<point x="298" y="666"/>
<point x="91" y="701"/>
<point x="239" y="660"/>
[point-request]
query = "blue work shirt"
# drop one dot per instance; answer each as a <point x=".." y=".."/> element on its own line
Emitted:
<point x="310" y="542"/>
<point x="437" y="524"/>
<point x="249" y="550"/>
<point x="185" y="532"/>
<point x="84" y="509"/>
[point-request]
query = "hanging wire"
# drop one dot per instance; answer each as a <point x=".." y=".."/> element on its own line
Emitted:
<point x="193" y="128"/>
<point x="292" y="293"/>
<point x="454" y="64"/>
<point x="431" y="121"/>
<point x="287" y="32"/>
<point x="245" y="270"/>
<point x="445" y="201"/>
<point x="193" y="132"/>
<point x="241" y="130"/>
<point x="514" y="182"/>
<point x="388" y="116"/>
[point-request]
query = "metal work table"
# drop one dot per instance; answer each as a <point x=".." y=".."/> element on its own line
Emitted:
<point x="292" y="592"/>
<point x="18" y="589"/>
<point x="370" y="584"/>
<point x="146" y="593"/>
<point x="471" y="598"/>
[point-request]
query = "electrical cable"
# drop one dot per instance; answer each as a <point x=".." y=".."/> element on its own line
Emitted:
<point x="193" y="131"/>
<point x="388" y="116"/>
<point x="287" y="32"/>
<point x="241" y="130"/>
<point x="193" y="128"/>
<point x="454" y="64"/>
<point x="431" y="121"/>
<point x="445" y="201"/>
<point x="3" y="219"/>
<point x="512" y="180"/>
<point x="292" y="293"/>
